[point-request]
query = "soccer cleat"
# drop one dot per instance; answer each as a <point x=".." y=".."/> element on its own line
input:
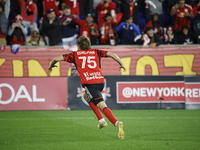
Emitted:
<point x="102" y="125"/>
<point x="121" y="133"/>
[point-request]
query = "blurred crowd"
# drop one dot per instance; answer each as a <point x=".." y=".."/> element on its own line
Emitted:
<point x="114" y="22"/>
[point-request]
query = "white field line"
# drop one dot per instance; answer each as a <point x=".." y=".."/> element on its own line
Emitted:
<point x="88" y="118"/>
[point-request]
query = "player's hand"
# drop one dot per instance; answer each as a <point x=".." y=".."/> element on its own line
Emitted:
<point x="122" y="67"/>
<point x="51" y="68"/>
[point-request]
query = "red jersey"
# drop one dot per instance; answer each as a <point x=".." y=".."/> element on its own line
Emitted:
<point x="180" y="20"/>
<point x="87" y="64"/>
<point x="48" y="4"/>
<point x="23" y="8"/>
<point x="107" y="32"/>
<point x="74" y="6"/>
<point x="85" y="29"/>
<point x="102" y="10"/>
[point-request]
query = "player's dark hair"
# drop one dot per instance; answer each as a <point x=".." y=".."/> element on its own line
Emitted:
<point x="83" y="42"/>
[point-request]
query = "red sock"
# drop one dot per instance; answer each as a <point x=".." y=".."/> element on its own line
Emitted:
<point x="108" y="113"/>
<point x="96" y="110"/>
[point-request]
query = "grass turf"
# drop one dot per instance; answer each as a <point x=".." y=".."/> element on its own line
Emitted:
<point x="77" y="130"/>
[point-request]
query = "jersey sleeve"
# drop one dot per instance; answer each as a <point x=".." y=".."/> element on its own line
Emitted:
<point x="69" y="57"/>
<point x="112" y="6"/>
<point x="101" y="53"/>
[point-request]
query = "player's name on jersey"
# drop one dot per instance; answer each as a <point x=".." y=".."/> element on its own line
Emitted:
<point x="85" y="52"/>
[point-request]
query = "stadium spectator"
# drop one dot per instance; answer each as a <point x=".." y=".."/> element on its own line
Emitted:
<point x="74" y="5"/>
<point x="29" y="13"/>
<point x="50" y="4"/>
<point x="107" y="30"/>
<point x="127" y="8"/>
<point x="62" y="6"/>
<point x="3" y="25"/>
<point x="186" y="37"/>
<point x="183" y="14"/>
<point x="127" y="31"/>
<point x="34" y="39"/>
<point x="153" y="7"/>
<point x="149" y="38"/>
<point x="17" y="32"/>
<point x="68" y="29"/>
<point x="104" y="7"/>
<point x="88" y="28"/>
<point x="169" y="37"/>
<point x="51" y="29"/>
<point x="92" y="79"/>
<point x="155" y="22"/>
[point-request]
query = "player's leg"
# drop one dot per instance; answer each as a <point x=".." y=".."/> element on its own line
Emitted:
<point x="108" y="113"/>
<point x="93" y="107"/>
<point x="87" y="96"/>
<point x="97" y="98"/>
<point x="94" y="94"/>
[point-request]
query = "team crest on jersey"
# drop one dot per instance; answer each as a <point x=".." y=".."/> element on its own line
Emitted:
<point x="105" y="93"/>
<point x="185" y="10"/>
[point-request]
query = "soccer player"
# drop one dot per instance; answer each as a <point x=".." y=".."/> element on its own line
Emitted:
<point x="87" y="62"/>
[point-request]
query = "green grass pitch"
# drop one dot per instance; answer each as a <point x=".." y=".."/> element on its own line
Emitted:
<point x="77" y="130"/>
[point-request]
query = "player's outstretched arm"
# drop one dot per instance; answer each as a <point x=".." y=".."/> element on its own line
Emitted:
<point x="54" y="61"/>
<point x="117" y="59"/>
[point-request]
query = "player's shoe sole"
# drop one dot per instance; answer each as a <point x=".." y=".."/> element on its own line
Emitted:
<point x="102" y="125"/>
<point x="121" y="133"/>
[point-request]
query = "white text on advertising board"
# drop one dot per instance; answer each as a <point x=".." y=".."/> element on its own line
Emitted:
<point x="133" y="92"/>
<point x="21" y="93"/>
<point x="151" y="92"/>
